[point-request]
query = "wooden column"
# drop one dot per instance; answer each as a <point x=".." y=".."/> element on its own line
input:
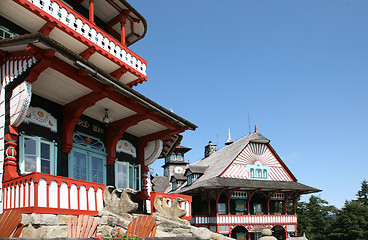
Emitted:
<point x="91" y="10"/>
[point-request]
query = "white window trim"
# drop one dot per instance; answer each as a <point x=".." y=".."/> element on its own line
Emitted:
<point x="128" y="169"/>
<point x="39" y="140"/>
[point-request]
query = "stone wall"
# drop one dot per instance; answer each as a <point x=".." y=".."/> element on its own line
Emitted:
<point x="55" y="226"/>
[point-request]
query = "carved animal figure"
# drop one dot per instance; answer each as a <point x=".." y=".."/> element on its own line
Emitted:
<point x="163" y="209"/>
<point x="119" y="202"/>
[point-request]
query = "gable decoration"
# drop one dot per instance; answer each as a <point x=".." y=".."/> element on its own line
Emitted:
<point x="125" y="146"/>
<point x="42" y="118"/>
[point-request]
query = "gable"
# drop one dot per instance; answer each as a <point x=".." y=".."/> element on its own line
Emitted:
<point x="259" y="162"/>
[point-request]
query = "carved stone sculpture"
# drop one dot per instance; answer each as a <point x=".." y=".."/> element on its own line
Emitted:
<point x="267" y="235"/>
<point x="119" y="202"/>
<point x="174" y="212"/>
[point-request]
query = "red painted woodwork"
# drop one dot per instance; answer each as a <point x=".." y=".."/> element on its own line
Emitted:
<point x="84" y="40"/>
<point x="72" y="112"/>
<point x="10" y="221"/>
<point x="91" y="10"/>
<point x="86" y="54"/>
<point x="144" y="170"/>
<point x="114" y="132"/>
<point x="142" y="226"/>
<point x="10" y="161"/>
<point x="14" y="198"/>
<point x="118" y="73"/>
<point x="47" y="28"/>
<point x="163" y="135"/>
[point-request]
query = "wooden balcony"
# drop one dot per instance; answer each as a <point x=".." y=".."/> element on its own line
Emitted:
<point x="246" y="219"/>
<point x="78" y="34"/>
<point x="44" y="193"/>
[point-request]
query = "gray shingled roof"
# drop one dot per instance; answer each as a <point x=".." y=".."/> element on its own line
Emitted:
<point x="217" y="162"/>
<point x="178" y="176"/>
<point x="160" y="183"/>
<point x="196" y="169"/>
<point x="248" y="184"/>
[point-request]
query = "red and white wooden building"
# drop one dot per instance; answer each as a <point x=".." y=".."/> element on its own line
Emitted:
<point x="70" y="121"/>
<point x="242" y="189"/>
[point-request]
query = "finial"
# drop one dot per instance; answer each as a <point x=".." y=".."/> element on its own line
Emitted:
<point x="229" y="140"/>
<point x="255" y="128"/>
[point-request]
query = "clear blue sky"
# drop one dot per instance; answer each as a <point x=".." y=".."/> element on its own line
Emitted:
<point x="299" y="68"/>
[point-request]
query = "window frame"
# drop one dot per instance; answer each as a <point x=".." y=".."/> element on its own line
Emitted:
<point x="39" y="140"/>
<point x="131" y="181"/>
<point x="90" y="152"/>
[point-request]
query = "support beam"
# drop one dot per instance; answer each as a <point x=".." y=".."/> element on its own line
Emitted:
<point x="72" y="112"/>
<point x="163" y="135"/>
<point x="47" y="28"/>
<point x="118" y="73"/>
<point x="44" y="57"/>
<point x="86" y="54"/>
<point x="115" y="131"/>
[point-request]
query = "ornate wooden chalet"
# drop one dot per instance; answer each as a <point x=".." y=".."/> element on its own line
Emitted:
<point x="70" y="121"/>
<point x="242" y="189"/>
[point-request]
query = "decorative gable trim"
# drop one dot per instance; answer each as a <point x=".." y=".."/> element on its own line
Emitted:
<point x="126" y="147"/>
<point x="42" y="118"/>
<point x="258" y="157"/>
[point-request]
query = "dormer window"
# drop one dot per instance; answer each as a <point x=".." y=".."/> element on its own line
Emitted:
<point x="190" y="179"/>
<point x="258" y="171"/>
<point x="174" y="185"/>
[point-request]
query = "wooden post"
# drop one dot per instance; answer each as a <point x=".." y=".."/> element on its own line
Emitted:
<point x="91" y="11"/>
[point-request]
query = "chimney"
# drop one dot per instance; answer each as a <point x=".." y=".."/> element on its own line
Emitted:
<point x="209" y="149"/>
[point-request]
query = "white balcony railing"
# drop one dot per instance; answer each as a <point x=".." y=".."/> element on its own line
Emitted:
<point x="79" y="24"/>
<point x="247" y="219"/>
<point x="45" y="193"/>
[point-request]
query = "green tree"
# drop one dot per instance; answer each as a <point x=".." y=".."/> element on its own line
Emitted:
<point x="314" y="218"/>
<point x="363" y="193"/>
<point x="351" y="222"/>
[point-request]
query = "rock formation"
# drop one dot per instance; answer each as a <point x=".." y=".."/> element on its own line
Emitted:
<point x="267" y="235"/>
<point x="119" y="202"/>
<point x="173" y="212"/>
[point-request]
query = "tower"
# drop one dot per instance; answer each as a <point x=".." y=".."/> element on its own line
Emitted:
<point x="175" y="163"/>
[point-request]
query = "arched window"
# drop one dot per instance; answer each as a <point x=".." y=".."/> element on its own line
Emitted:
<point x="258" y="171"/>
<point x="87" y="159"/>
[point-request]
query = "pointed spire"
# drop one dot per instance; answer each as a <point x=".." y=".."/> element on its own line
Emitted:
<point x="255" y="128"/>
<point x="229" y="140"/>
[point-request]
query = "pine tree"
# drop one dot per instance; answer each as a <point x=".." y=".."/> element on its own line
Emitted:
<point x="363" y="193"/>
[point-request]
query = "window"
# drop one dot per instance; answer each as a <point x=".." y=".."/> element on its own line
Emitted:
<point x="87" y="159"/>
<point x="127" y="175"/>
<point x="257" y="236"/>
<point x="257" y="207"/>
<point x="174" y="185"/>
<point x="222" y="208"/>
<point x="190" y="179"/>
<point x="258" y="171"/>
<point x="241" y="235"/>
<point x="240" y="205"/>
<point x="173" y="157"/>
<point x="37" y="155"/>
<point x="6" y="33"/>
<point x="180" y="157"/>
